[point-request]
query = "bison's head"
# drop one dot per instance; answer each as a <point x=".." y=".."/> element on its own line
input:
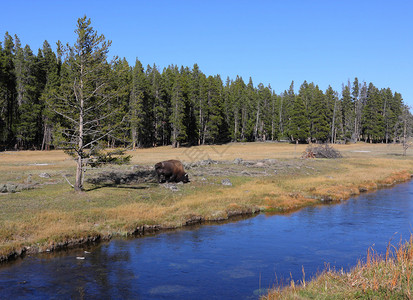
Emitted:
<point x="185" y="178"/>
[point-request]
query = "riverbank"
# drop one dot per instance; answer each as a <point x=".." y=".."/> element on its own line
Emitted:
<point x="265" y="177"/>
<point x="379" y="277"/>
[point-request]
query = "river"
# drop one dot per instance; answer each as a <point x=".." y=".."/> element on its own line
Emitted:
<point x="236" y="260"/>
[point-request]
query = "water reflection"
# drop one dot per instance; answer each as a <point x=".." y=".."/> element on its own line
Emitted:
<point x="238" y="260"/>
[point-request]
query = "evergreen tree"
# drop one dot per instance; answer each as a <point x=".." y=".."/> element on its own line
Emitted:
<point x="286" y="104"/>
<point x="159" y="107"/>
<point x="347" y="112"/>
<point x="198" y="82"/>
<point x="228" y="100"/>
<point x="137" y="106"/>
<point x="300" y="124"/>
<point x="50" y="69"/>
<point x="122" y="83"/>
<point x="8" y="94"/>
<point x="275" y="105"/>
<point x="333" y="109"/>
<point x="213" y="116"/>
<point x="250" y="109"/>
<point x="178" y="110"/>
<point x="265" y="96"/>
<point x="399" y="112"/>
<point x="84" y="95"/>
<point x="3" y="132"/>
<point x="320" y="126"/>
<point x="189" y="116"/>
<point x="358" y="107"/>
<point x="373" y="121"/>
<point x="29" y="108"/>
<point x="239" y="108"/>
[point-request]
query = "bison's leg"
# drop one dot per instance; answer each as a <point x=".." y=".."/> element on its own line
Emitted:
<point x="161" y="177"/>
<point x="173" y="178"/>
<point x="167" y="178"/>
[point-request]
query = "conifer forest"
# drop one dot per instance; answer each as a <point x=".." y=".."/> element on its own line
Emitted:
<point x="137" y="106"/>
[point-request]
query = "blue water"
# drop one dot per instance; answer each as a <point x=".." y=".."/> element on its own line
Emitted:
<point x="237" y="260"/>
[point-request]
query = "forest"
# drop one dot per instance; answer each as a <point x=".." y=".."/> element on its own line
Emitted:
<point x="178" y="106"/>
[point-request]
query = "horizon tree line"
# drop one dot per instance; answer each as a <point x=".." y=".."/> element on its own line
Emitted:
<point x="178" y="106"/>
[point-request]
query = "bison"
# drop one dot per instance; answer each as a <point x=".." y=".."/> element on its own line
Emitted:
<point x="171" y="171"/>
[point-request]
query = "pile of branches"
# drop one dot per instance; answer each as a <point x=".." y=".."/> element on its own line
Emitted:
<point x="321" y="151"/>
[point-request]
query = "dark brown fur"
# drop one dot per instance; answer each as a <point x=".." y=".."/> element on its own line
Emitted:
<point x="171" y="171"/>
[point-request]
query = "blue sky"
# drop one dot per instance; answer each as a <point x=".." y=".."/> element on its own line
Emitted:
<point x="274" y="42"/>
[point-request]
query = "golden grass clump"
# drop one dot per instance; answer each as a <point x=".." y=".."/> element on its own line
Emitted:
<point x="336" y="192"/>
<point x="379" y="277"/>
<point x="287" y="202"/>
<point x="396" y="177"/>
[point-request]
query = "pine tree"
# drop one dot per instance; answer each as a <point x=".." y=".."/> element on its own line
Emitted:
<point x="265" y="95"/>
<point x="347" y="112"/>
<point x="239" y="108"/>
<point x="333" y="109"/>
<point x="373" y="121"/>
<point x="122" y="83"/>
<point x="398" y="108"/>
<point x="177" y="110"/>
<point x="286" y="104"/>
<point x="29" y="108"/>
<point x="84" y="95"/>
<point x="299" y="126"/>
<point x="197" y="99"/>
<point x="213" y="116"/>
<point x="3" y="132"/>
<point x="358" y="108"/>
<point x="8" y="93"/>
<point x="189" y="115"/>
<point x="228" y="98"/>
<point x="275" y="105"/>
<point x="50" y="68"/>
<point x="320" y="115"/>
<point x="138" y="109"/>
<point x="159" y="106"/>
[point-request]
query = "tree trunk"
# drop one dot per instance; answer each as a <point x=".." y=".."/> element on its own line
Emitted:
<point x="236" y="127"/>
<point x="333" y="125"/>
<point x="280" y="118"/>
<point x="133" y="132"/>
<point x="200" y="122"/>
<point x="79" y="167"/>
<point x="257" y="119"/>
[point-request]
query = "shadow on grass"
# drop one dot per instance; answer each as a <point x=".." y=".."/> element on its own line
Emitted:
<point x="114" y="185"/>
<point x="396" y="154"/>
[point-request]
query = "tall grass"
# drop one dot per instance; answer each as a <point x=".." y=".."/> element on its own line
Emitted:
<point x="386" y="276"/>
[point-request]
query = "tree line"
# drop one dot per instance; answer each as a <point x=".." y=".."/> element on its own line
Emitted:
<point x="178" y="106"/>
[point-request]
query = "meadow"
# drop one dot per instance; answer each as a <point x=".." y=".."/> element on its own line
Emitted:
<point x="52" y="215"/>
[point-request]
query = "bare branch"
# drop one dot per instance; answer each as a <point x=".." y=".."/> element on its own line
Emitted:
<point x="66" y="116"/>
<point x="64" y="176"/>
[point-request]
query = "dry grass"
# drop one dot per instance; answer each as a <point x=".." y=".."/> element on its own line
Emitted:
<point x="54" y="213"/>
<point x="388" y="277"/>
